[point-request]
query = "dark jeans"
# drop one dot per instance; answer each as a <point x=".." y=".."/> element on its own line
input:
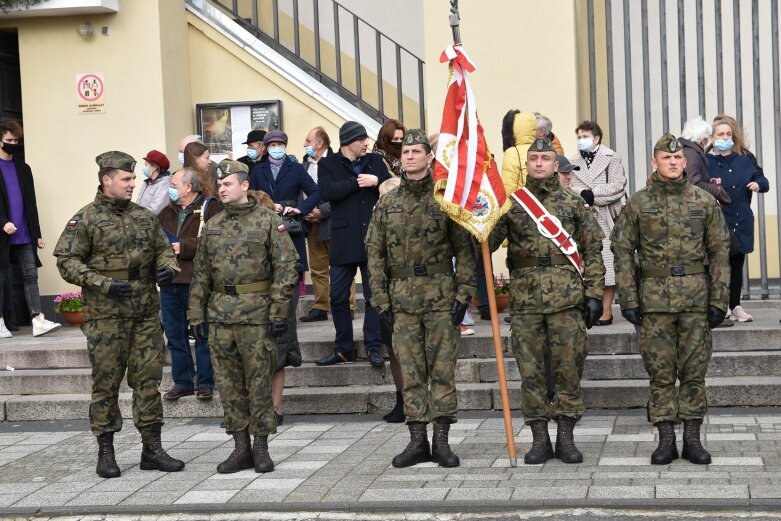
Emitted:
<point x="341" y="279"/>
<point x="24" y="256"/>
<point x="482" y="289"/>
<point x="173" y="303"/>
<point x="736" y="278"/>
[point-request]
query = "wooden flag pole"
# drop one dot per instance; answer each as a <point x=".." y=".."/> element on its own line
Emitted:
<point x="501" y="376"/>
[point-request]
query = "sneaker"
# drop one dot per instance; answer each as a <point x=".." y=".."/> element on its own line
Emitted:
<point x="41" y="326"/>
<point x="336" y="358"/>
<point x="465" y="331"/>
<point x="740" y="315"/>
<point x="4" y="333"/>
<point x="468" y="320"/>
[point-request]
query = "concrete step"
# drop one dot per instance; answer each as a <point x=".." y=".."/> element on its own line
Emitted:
<point x="468" y="370"/>
<point x="360" y="399"/>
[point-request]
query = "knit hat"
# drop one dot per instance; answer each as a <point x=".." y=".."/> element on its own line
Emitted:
<point x="350" y="132"/>
<point x="274" y="136"/>
<point x="159" y="159"/>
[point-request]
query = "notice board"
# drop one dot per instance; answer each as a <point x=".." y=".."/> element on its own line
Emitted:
<point x="224" y="126"/>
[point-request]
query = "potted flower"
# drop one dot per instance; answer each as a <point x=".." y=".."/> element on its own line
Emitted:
<point x="502" y="291"/>
<point x="71" y="307"/>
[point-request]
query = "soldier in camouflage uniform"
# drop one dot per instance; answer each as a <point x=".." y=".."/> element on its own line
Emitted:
<point x="551" y="304"/>
<point x="114" y="250"/>
<point x="244" y="276"/>
<point x="410" y="245"/>
<point x="673" y="227"/>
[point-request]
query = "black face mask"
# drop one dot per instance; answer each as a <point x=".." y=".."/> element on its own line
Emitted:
<point x="12" y="148"/>
<point x="396" y="144"/>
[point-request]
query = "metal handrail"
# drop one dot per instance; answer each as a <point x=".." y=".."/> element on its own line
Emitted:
<point x="357" y="95"/>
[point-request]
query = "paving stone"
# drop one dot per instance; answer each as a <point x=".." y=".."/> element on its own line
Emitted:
<point x="45" y="500"/>
<point x="403" y="494"/>
<point x="273" y="484"/>
<point x="152" y="498"/>
<point x="621" y="492"/>
<point x="701" y="491"/>
<point x="534" y="493"/>
<point x="479" y="494"/>
<point x="99" y="498"/>
<point x="765" y="491"/>
<point x="206" y="496"/>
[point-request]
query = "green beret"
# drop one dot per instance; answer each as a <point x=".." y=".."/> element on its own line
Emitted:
<point x="415" y="136"/>
<point x="668" y="143"/>
<point x="229" y="166"/>
<point x="542" y="144"/>
<point x="116" y="159"/>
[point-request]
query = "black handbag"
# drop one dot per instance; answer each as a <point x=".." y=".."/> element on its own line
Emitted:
<point x="292" y="225"/>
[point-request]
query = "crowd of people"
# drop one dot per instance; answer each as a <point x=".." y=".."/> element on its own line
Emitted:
<point x="232" y="241"/>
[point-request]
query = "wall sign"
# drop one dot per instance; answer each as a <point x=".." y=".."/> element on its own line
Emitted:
<point x="224" y="126"/>
<point x="90" y="93"/>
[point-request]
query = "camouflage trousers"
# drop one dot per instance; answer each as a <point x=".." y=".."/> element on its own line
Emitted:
<point x="676" y="346"/>
<point x="426" y="345"/>
<point x="115" y="345"/>
<point x="564" y="334"/>
<point x="244" y="357"/>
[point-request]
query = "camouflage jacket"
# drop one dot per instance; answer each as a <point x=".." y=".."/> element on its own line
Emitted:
<point x="409" y="229"/>
<point x="113" y="235"/>
<point x="549" y="289"/>
<point x="671" y="224"/>
<point x="243" y="245"/>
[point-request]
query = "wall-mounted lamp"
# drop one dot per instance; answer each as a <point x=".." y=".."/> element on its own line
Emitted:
<point x="85" y="30"/>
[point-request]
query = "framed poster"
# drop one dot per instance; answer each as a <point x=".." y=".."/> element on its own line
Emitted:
<point x="224" y="126"/>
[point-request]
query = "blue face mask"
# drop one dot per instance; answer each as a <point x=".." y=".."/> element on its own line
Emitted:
<point x="181" y="158"/>
<point x="277" y="153"/>
<point x="585" y="144"/>
<point x="252" y="153"/>
<point x="724" y="144"/>
<point x="147" y="173"/>
<point x="173" y="194"/>
<point x="310" y="151"/>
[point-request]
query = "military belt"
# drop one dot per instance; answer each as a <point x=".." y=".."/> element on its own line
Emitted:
<point x="530" y="262"/>
<point x="421" y="270"/>
<point x="240" y="289"/>
<point x="674" y="271"/>
<point x="128" y="274"/>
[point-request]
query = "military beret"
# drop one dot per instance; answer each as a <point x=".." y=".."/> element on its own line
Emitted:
<point x="542" y="144"/>
<point x="229" y="166"/>
<point x="415" y="136"/>
<point x="667" y="143"/>
<point x="116" y="159"/>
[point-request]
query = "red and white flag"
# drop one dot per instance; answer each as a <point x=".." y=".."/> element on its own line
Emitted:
<point x="467" y="184"/>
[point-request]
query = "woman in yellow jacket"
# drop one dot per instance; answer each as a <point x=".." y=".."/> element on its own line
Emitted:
<point x="518" y="130"/>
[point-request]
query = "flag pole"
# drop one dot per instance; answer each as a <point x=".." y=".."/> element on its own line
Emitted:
<point x="489" y="280"/>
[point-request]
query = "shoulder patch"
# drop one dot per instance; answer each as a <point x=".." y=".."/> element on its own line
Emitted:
<point x="72" y="223"/>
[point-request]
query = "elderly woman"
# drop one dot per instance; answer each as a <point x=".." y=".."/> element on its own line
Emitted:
<point x="154" y="190"/>
<point x="602" y="173"/>
<point x="695" y="138"/>
<point x="731" y="167"/>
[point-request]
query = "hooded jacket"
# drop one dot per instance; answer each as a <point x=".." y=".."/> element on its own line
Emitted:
<point x="514" y="160"/>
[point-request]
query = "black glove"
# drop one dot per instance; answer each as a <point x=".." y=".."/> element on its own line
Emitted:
<point x="277" y="328"/>
<point x="164" y="276"/>
<point x="200" y="331"/>
<point x="632" y="315"/>
<point x="459" y="312"/>
<point x="715" y="316"/>
<point x="588" y="196"/>
<point x="592" y="310"/>
<point x="386" y="315"/>
<point x="120" y="289"/>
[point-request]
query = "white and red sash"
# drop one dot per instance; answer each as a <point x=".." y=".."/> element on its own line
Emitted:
<point x="549" y="226"/>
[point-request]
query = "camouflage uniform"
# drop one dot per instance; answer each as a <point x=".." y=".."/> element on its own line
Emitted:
<point x="117" y="239"/>
<point x="244" y="246"/>
<point x="673" y="226"/>
<point x="408" y="232"/>
<point x="546" y="298"/>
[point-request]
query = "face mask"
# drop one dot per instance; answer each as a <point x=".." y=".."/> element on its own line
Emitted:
<point x="396" y="144"/>
<point x="724" y="144"/>
<point x="252" y="153"/>
<point x="277" y="153"/>
<point x="12" y="148"/>
<point x="147" y="172"/>
<point x="310" y="151"/>
<point x="585" y="144"/>
<point x="181" y="158"/>
<point x="173" y="194"/>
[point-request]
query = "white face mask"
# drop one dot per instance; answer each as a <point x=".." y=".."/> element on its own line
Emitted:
<point x="585" y="144"/>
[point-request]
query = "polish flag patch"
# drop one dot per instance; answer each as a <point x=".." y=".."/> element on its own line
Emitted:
<point x="281" y="228"/>
<point x="72" y="223"/>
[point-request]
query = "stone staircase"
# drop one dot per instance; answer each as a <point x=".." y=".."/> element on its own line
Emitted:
<point x="51" y="375"/>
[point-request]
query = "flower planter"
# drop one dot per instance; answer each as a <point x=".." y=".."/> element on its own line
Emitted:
<point x="74" y="318"/>
<point x="502" y="301"/>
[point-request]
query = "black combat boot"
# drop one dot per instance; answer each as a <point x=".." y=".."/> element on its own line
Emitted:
<point x="154" y="456"/>
<point x="418" y="449"/>
<point x="440" y="448"/>
<point x="566" y="450"/>
<point x="541" y="450"/>
<point x="260" y="455"/>
<point x="692" y="448"/>
<point x="241" y="457"/>
<point x="397" y="413"/>
<point x="107" y="466"/>
<point x="666" y="452"/>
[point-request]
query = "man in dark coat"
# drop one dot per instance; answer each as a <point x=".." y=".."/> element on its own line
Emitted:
<point x="349" y="180"/>
<point x="22" y="231"/>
